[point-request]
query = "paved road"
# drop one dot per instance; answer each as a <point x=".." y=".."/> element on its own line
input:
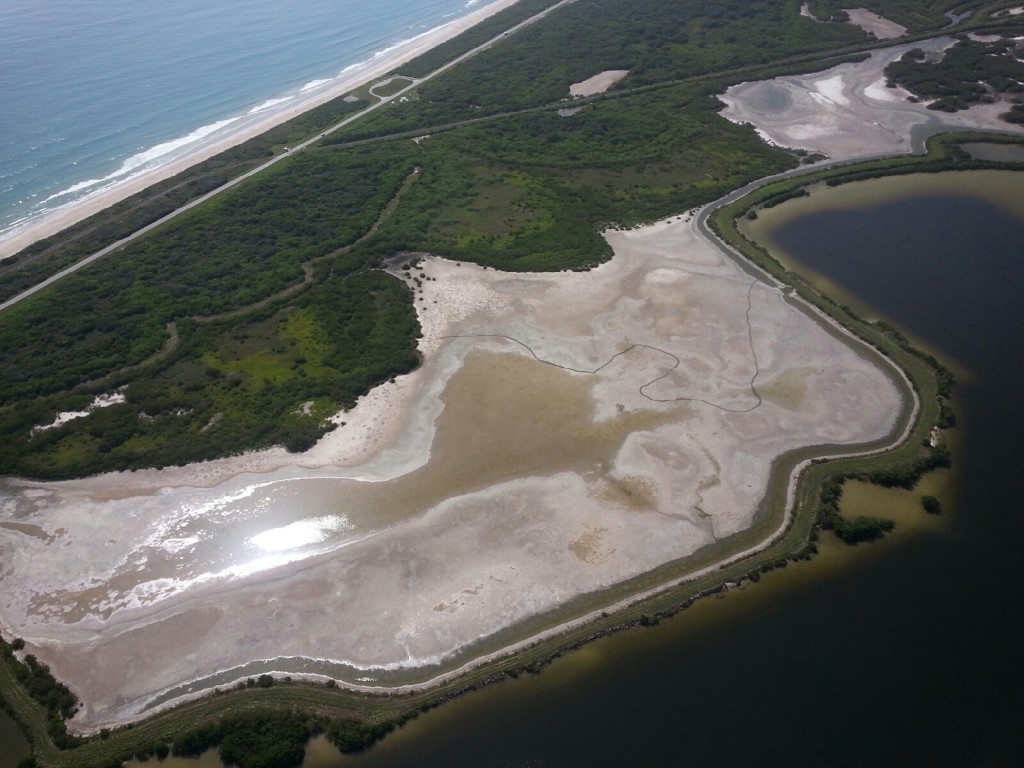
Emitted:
<point x="413" y="82"/>
<point x="918" y="137"/>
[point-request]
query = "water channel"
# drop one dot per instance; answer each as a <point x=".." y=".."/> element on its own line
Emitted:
<point x="903" y="653"/>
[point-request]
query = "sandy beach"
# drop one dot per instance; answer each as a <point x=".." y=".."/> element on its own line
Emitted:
<point x="245" y="129"/>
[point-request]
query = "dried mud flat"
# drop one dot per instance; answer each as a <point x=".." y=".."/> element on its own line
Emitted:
<point x="566" y="432"/>
<point x="848" y="112"/>
<point x="876" y="25"/>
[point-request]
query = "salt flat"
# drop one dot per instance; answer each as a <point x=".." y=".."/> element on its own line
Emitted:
<point x="565" y="432"/>
<point x="848" y="112"/>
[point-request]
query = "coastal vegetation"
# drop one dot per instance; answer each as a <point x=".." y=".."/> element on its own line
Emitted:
<point x="667" y="44"/>
<point x="915" y="15"/>
<point x="971" y="72"/>
<point x="346" y="331"/>
<point x="273" y="738"/>
<point x="663" y="43"/>
<point x="185" y="322"/>
<point x="50" y="255"/>
<point x="55" y="699"/>
<point x="479" y="34"/>
<point x="194" y="324"/>
<point x="252" y="320"/>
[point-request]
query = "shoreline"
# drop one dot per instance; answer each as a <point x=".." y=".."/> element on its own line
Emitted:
<point x="903" y="427"/>
<point x="621" y="558"/>
<point x="392" y="402"/>
<point x="350" y="79"/>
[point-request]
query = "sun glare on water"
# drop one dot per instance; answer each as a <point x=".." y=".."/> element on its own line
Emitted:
<point x="301" y="533"/>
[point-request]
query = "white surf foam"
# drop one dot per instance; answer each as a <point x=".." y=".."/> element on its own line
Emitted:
<point x="147" y="159"/>
<point x="268" y="104"/>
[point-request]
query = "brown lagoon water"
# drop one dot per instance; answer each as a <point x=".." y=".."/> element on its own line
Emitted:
<point x="13" y="746"/>
<point x="903" y="653"/>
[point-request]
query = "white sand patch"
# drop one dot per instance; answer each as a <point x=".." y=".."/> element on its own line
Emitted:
<point x="833" y="89"/>
<point x="847" y="112"/>
<point x="879" y="91"/>
<point x="100" y="401"/>
<point x="599" y="83"/>
<point x="876" y="25"/>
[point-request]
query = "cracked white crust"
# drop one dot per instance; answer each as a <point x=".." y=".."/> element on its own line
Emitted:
<point x="572" y="482"/>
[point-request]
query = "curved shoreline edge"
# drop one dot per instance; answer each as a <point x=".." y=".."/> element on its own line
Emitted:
<point x="680" y="580"/>
<point x="675" y="585"/>
<point x="643" y="606"/>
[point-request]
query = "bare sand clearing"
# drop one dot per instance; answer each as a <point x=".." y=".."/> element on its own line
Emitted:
<point x="876" y="25"/>
<point x="566" y="432"/>
<point x="599" y="83"/>
<point x="243" y="130"/>
<point x="847" y="111"/>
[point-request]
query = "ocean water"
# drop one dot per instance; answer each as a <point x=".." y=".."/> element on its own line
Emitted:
<point x="93" y="93"/>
